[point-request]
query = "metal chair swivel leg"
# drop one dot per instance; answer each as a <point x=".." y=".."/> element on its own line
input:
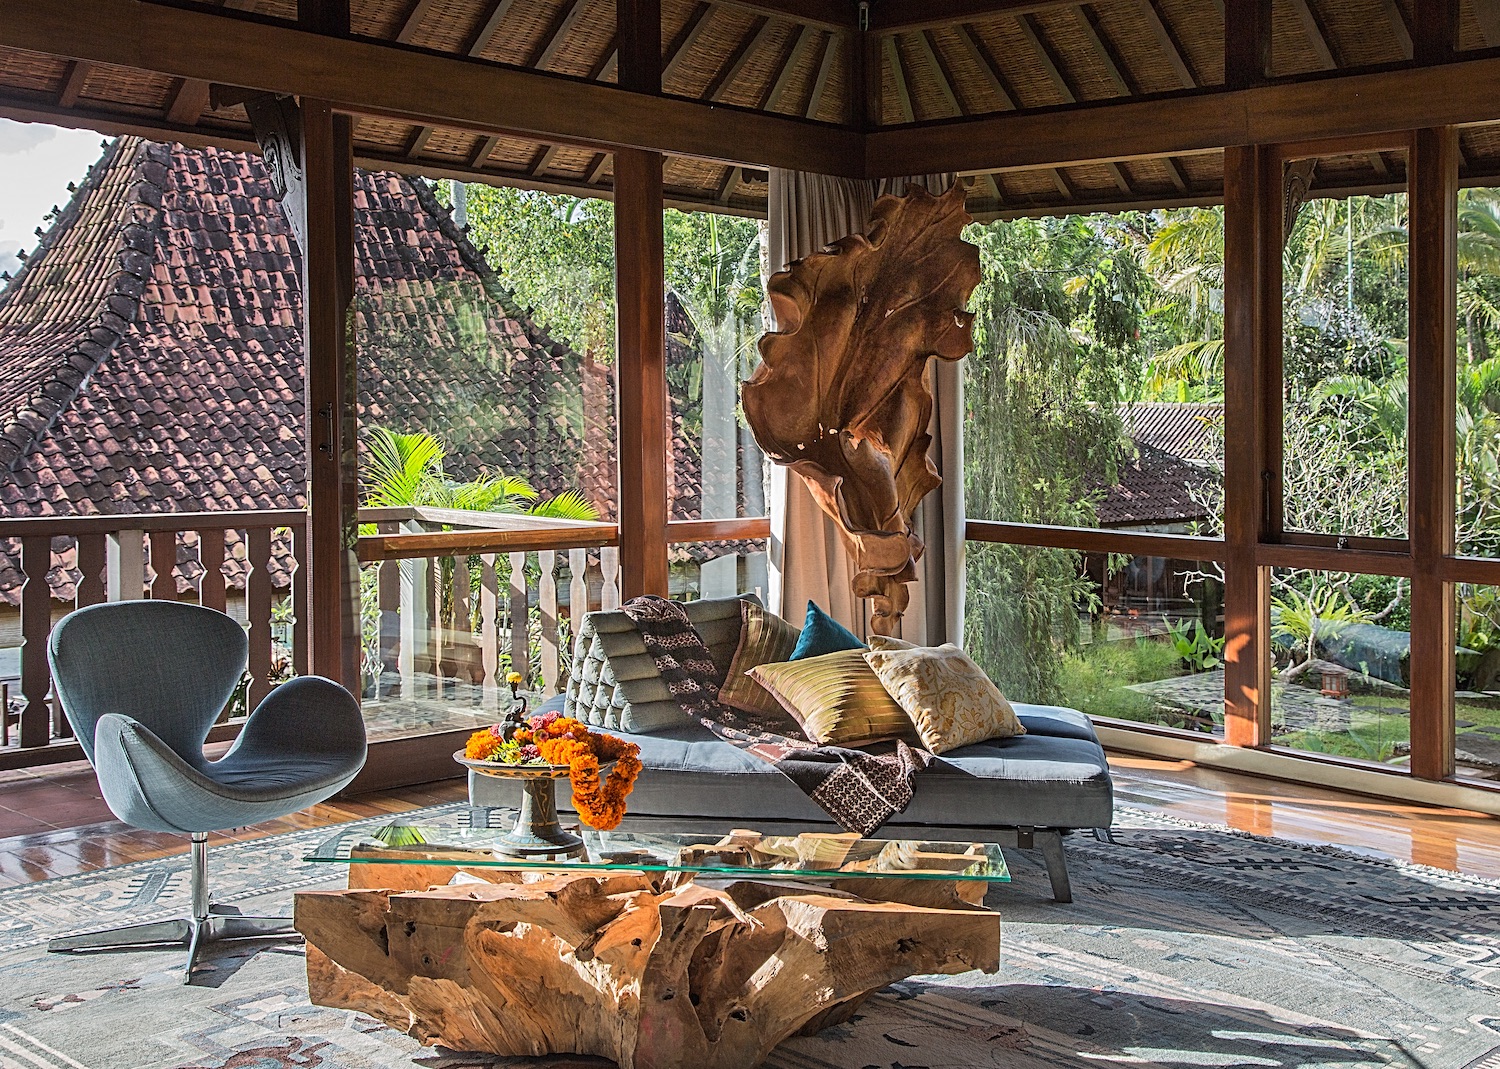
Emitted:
<point x="209" y="923"/>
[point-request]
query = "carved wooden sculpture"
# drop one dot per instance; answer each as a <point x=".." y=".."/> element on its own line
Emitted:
<point x="843" y="395"/>
<point x="685" y="977"/>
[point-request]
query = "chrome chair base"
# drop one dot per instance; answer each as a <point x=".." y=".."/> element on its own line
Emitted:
<point x="210" y="923"/>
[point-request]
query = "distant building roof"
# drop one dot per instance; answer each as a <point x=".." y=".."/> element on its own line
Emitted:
<point x="1155" y="488"/>
<point x="151" y="351"/>
<point x="1194" y="432"/>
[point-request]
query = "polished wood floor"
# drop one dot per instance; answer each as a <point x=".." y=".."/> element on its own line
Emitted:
<point x="53" y="822"/>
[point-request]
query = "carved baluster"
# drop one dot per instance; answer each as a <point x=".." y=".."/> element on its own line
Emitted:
<point x="36" y="625"/>
<point x="164" y="565"/>
<point x="211" y="555"/>
<point x="489" y="648"/>
<point x="609" y="568"/>
<point x="547" y="602"/>
<point x="388" y="584"/>
<point x="126" y="564"/>
<point x="520" y="618"/>
<point x="258" y="610"/>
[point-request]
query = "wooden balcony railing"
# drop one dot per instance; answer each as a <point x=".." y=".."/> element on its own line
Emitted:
<point x="243" y="563"/>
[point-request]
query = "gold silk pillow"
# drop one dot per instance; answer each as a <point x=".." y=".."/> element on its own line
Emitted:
<point x="885" y="642"/>
<point x="837" y="698"/>
<point x="949" y="699"/>
<point x="764" y="637"/>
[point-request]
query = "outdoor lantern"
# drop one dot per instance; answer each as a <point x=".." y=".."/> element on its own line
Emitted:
<point x="1335" y="681"/>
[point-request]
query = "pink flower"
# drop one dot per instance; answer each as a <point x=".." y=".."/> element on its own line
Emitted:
<point x="530" y="752"/>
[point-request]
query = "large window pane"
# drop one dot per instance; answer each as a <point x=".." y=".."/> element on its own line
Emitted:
<point x="1478" y="393"/>
<point x="484" y="323"/>
<point x="1131" y="638"/>
<point x="713" y="321"/>
<point x="1095" y="392"/>
<point x="1476" y="747"/>
<point x="1340" y="655"/>
<point x="1344" y="328"/>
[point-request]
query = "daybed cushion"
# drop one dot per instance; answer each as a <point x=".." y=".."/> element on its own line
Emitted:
<point x="614" y="683"/>
<point x="1054" y="776"/>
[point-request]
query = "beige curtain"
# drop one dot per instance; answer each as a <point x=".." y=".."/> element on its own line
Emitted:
<point x="807" y="558"/>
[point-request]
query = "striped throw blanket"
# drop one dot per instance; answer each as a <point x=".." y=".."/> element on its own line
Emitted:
<point x="859" y="790"/>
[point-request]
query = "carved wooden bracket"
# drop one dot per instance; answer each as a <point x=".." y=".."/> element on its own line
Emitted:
<point x="277" y="122"/>
<point x="843" y="396"/>
<point x="1296" y="181"/>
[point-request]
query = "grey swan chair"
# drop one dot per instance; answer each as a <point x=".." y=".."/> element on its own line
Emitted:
<point x="142" y="682"/>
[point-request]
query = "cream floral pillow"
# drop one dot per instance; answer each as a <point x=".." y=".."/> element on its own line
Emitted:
<point x="950" y="701"/>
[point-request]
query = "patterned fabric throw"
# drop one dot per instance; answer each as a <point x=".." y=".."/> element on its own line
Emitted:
<point x="859" y="790"/>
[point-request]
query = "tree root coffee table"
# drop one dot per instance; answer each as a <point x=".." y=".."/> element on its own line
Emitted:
<point x="656" y="951"/>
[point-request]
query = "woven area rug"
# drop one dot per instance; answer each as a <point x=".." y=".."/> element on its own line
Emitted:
<point x="1187" y="946"/>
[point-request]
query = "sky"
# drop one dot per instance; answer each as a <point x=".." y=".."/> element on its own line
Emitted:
<point x="36" y="164"/>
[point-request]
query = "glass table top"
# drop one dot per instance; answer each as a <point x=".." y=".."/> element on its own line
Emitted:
<point x="809" y="856"/>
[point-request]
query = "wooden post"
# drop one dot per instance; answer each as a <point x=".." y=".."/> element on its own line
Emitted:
<point x="1247" y="43"/>
<point x="36" y="627"/>
<point x="1247" y="693"/>
<point x="329" y="400"/>
<point x="1434" y="32"/>
<point x="1432" y="303"/>
<point x="640" y="295"/>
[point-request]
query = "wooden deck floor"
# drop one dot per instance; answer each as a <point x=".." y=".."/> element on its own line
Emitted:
<point x="54" y="823"/>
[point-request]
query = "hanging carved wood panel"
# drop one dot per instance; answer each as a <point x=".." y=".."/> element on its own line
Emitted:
<point x="843" y="396"/>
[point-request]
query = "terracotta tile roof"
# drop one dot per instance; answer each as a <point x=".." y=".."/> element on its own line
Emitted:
<point x="1154" y="488"/>
<point x="1193" y="432"/>
<point x="151" y="356"/>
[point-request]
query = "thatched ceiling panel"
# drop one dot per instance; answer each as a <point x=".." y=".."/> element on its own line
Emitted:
<point x="572" y="163"/>
<point x="378" y="18"/>
<point x="448" y="26"/>
<point x="925" y="81"/>
<point x="697" y="68"/>
<point x="1085" y="71"/>
<point x="1199" y="29"/>
<point x="1203" y="170"/>
<point x="806" y="50"/>
<point x="521" y="33"/>
<point x="586" y="44"/>
<point x="1020" y="63"/>
<point x="379" y="133"/>
<point x="682" y="175"/>
<point x="973" y="87"/>
<point x="834" y="107"/>
<point x="454" y="145"/>
<point x="121" y="85"/>
<point x="1142" y="57"/>
<point x="1471" y="31"/>
<point x="1292" y="49"/>
<point x="750" y="87"/>
<point x="32" y="71"/>
<point x="1361" y="33"/>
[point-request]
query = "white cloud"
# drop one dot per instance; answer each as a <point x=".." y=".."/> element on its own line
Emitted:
<point x="39" y="162"/>
<point x="9" y="262"/>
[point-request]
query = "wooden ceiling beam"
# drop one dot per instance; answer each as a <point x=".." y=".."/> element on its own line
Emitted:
<point x="1352" y="105"/>
<point x="935" y="14"/>
<point x="559" y="35"/>
<point x="1397" y="20"/>
<point x="981" y="58"/>
<point x="1167" y="41"/>
<point x="1177" y="175"/>
<point x="409" y="85"/>
<point x="1487" y="12"/>
<point x="825" y="71"/>
<point x="945" y="80"/>
<point x="683" y="43"/>
<point x="73" y="83"/>
<point x="414" y="19"/>
<point x="898" y="73"/>
<point x="758" y="34"/>
<point x="1032" y="34"/>
<point x="1114" y="65"/>
<point x="188" y="103"/>
<point x="486" y="33"/>
<point x="822" y="14"/>
<point x="482" y="151"/>
<point x="1317" y="36"/>
<point x="788" y="68"/>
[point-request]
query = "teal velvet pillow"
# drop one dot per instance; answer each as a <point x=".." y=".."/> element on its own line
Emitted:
<point x="822" y="635"/>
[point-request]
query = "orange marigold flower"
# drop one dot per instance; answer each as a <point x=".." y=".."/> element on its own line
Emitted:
<point x="481" y="745"/>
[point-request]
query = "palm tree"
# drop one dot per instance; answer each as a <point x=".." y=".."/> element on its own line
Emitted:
<point x="406" y="469"/>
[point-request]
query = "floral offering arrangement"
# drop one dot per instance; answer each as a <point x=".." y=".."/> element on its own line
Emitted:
<point x="551" y="739"/>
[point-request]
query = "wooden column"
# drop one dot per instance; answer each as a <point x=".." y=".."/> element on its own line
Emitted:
<point x="1434" y="31"/>
<point x="1433" y="180"/>
<point x="329" y="400"/>
<point x="641" y="340"/>
<point x="1247" y="42"/>
<point x="1250" y="374"/>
